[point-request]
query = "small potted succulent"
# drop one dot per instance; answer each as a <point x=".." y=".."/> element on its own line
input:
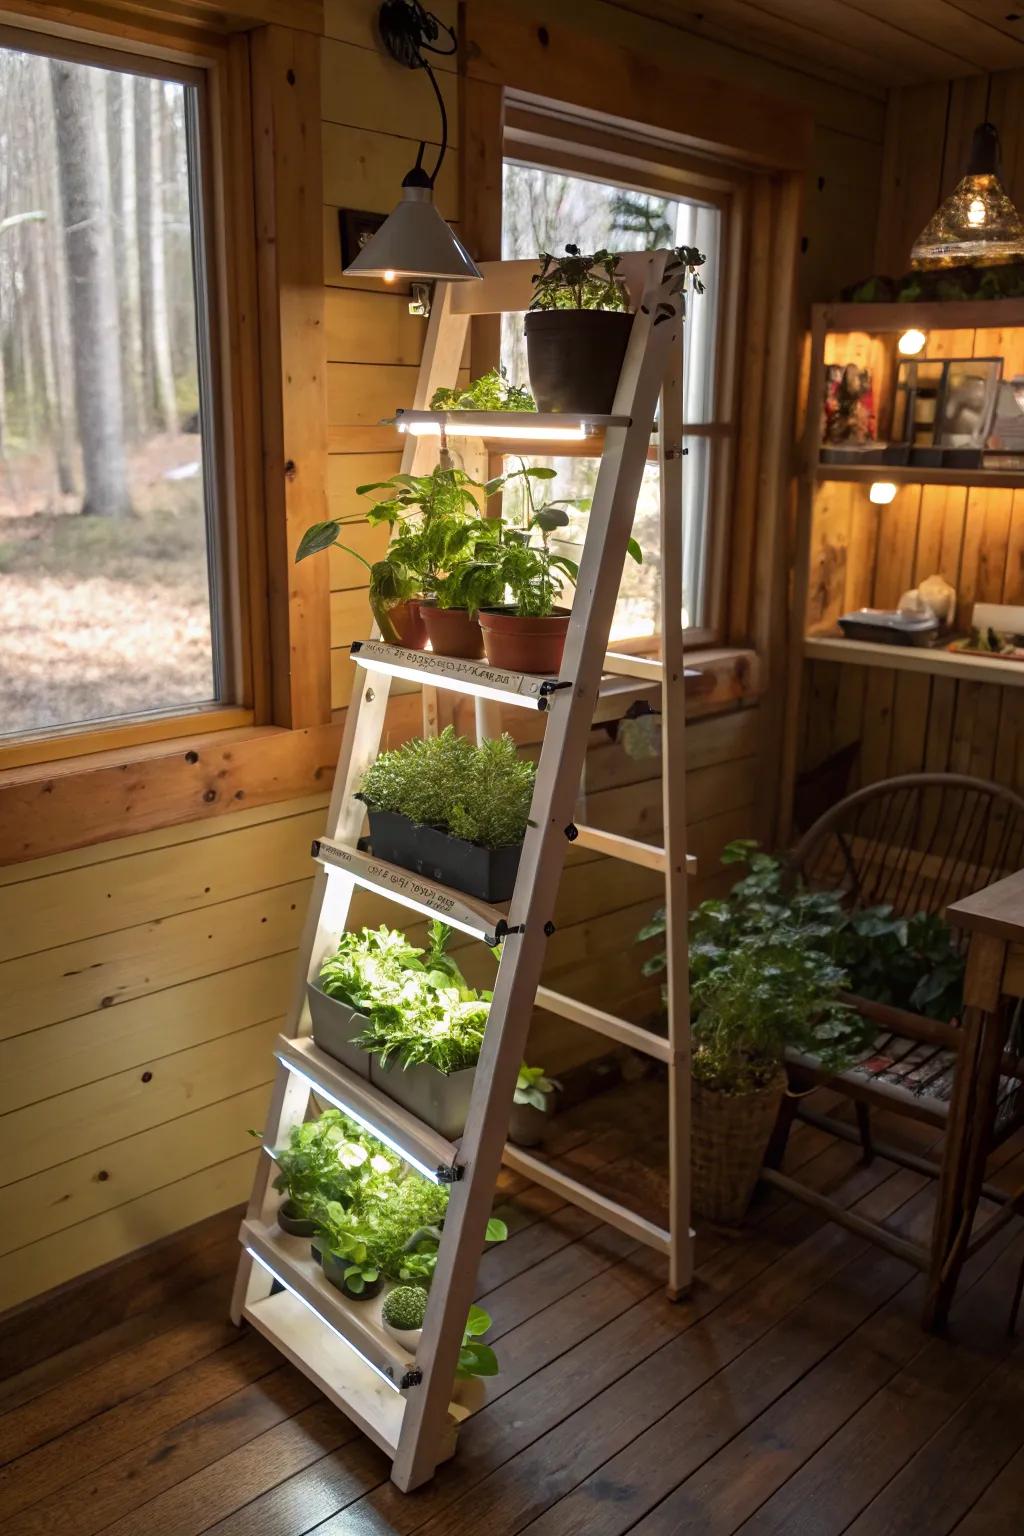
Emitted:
<point x="452" y="811"/>
<point x="577" y="331"/>
<point x="532" y="1106"/>
<point x="365" y="968"/>
<point x="402" y="1314"/>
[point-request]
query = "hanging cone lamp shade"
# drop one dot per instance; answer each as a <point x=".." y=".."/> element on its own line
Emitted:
<point x="977" y="225"/>
<point x="414" y="241"/>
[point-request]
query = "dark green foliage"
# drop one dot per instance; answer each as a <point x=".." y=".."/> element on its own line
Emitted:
<point x="480" y="793"/>
<point x="578" y="281"/>
<point x="944" y="285"/>
<point x="491" y="392"/>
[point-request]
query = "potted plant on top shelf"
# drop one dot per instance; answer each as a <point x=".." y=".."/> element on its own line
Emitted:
<point x="577" y="331"/>
<point x="452" y="811"/>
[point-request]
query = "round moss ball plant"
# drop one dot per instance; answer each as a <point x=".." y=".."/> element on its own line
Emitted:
<point x="403" y="1313"/>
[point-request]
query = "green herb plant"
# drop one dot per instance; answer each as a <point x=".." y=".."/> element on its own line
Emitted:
<point x="369" y="965"/>
<point x="480" y="793"/>
<point x="534" y="1087"/>
<point x="578" y="281"/>
<point x="476" y="1359"/>
<point x="329" y="1159"/>
<point x="493" y="391"/>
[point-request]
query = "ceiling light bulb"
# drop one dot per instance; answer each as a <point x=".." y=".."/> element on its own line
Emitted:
<point x="911" y="342"/>
<point x="882" y="492"/>
<point x="977" y="224"/>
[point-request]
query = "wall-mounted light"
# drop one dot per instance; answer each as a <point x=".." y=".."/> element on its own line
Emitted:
<point x="911" y="343"/>
<point x="882" y="492"/>
<point x="414" y="240"/>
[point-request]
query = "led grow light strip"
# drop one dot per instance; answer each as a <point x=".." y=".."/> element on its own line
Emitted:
<point x="498" y="429"/>
<point x="454" y="681"/>
<point x="360" y="1118"/>
<point x="310" y="1307"/>
<point x="478" y="930"/>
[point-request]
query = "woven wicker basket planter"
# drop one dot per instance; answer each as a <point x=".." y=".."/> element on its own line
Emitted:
<point x="730" y="1135"/>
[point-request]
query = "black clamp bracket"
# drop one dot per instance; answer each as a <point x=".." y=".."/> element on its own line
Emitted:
<point x="572" y="832"/>
<point x="411" y="1378"/>
<point x="449" y="1173"/>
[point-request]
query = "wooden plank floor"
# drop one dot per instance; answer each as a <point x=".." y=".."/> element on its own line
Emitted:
<point x="792" y="1393"/>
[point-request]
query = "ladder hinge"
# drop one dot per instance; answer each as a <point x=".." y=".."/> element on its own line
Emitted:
<point x="449" y="1174"/>
<point x="549" y="686"/>
<point x="503" y="929"/>
<point x="411" y="1378"/>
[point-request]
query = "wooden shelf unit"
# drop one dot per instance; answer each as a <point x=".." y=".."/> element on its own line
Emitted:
<point x="852" y="553"/>
<point x="410" y="1413"/>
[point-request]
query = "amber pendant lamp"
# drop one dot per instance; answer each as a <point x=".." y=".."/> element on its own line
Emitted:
<point x="977" y="225"/>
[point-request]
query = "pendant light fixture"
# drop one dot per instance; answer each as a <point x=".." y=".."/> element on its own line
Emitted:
<point x="414" y="241"/>
<point x="977" y="225"/>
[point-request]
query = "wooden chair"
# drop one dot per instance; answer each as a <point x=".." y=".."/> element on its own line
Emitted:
<point x="917" y="843"/>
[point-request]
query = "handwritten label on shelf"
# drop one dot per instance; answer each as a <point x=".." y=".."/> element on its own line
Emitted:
<point x="401" y="883"/>
<point x="453" y="667"/>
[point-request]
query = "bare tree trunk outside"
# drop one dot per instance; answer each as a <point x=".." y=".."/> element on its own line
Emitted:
<point x="150" y="178"/>
<point x="121" y="130"/>
<point x="57" y="364"/>
<point x="85" y="200"/>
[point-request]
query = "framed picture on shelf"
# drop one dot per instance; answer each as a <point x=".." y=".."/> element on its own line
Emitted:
<point x="968" y="402"/>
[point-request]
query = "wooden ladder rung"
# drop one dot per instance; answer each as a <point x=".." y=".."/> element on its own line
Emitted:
<point x="629" y="849"/>
<point x="621" y="1030"/>
<point x="618" y="1216"/>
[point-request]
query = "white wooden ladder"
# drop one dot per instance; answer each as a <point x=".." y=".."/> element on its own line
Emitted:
<point x="406" y="1404"/>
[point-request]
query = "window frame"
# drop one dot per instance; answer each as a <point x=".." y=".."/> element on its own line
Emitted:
<point x="216" y="248"/>
<point x="548" y="137"/>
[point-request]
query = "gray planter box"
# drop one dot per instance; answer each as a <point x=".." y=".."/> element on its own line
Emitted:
<point x="334" y="1026"/>
<point x="439" y="1101"/>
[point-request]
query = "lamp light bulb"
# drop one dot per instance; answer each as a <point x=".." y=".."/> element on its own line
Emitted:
<point x="882" y="492"/>
<point x="390" y="276"/>
<point x="911" y="342"/>
<point x="976" y="211"/>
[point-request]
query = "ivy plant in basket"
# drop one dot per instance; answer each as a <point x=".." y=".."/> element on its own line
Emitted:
<point x="577" y="330"/>
<point x="452" y="811"/>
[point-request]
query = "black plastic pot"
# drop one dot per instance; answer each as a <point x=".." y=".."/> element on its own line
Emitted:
<point x="335" y="1025"/>
<point x="439" y="1099"/>
<point x="575" y="357"/>
<point x="334" y="1269"/>
<point x="289" y="1220"/>
<point x="489" y="873"/>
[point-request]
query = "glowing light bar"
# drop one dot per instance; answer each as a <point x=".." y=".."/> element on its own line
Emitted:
<point x="361" y="1119"/>
<point x="258" y="1258"/>
<point x="533" y="426"/>
<point x="498" y="429"/>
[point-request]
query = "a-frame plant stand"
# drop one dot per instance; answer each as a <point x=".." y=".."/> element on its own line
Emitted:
<point x="406" y="1404"/>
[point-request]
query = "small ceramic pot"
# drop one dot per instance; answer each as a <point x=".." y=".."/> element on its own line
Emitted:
<point x="452" y="632"/>
<point x="527" y="1125"/>
<point x="291" y="1221"/>
<point x="409" y="1338"/>
<point x="334" y="1269"/>
<point x="524" y="645"/>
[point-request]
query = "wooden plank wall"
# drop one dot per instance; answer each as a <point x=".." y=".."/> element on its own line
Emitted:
<point x="143" y="979"/>
<point x="975" y="539"/>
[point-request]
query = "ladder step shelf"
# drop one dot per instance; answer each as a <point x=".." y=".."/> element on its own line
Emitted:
<point x="529" y="690"/>
<point x="620" y="1030"/>
<point x="481" y="919"/>
<point x="629" y="849"/>
<point x="435" y="1157"/>
<point x="289" y="1260"/>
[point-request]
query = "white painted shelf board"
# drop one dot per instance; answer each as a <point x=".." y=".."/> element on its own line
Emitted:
<point x="526" y="689"/>
<point x="478" y="918"/>
<point x="413" y="1140"/>
<point x="914" y="658"/>
<point x="290" y="1259"/>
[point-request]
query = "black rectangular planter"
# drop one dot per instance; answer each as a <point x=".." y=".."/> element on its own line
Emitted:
<point x="489" y="873"/>
<point x="438" y="1099"/>
<point x="335" y="1025"/>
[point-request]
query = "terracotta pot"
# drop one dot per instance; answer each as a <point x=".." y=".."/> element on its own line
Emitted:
<point x="452" y="632"/>
<point x="575" y="357"/>
<point x="524" y="645"/>
<point x="402" y="624"/>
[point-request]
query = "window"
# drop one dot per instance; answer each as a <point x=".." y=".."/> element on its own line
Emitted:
<point x="108" y="554"/>
<point x="543" y="207"/>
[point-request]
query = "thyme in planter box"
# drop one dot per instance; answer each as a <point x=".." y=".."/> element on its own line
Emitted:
<point x="479" y="793"/>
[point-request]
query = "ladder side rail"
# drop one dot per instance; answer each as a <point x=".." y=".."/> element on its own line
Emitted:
<point x="331" y="896"/>
<point x="558" y="777"/>
<point x="673" y="789"/>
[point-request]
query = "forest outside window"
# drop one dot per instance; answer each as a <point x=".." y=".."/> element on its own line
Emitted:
<point x="544" y="207"/>
<point x="108" y="547"/>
